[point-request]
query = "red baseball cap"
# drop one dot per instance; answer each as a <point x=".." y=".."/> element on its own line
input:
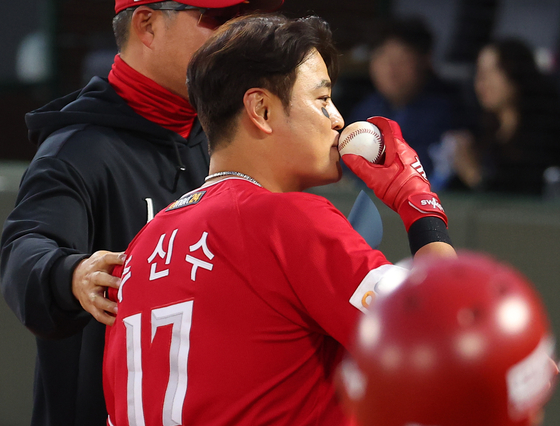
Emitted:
<point x="264" y="5"/>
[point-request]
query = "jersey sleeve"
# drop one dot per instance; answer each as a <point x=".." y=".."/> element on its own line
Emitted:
<point x="331" y="269"/>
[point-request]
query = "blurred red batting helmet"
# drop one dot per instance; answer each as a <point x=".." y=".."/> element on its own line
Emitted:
<point x="461" y="342"/>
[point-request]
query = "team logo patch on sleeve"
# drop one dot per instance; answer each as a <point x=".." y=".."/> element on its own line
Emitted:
<point x="381" y="280"/>
<point x="186" y="200"/>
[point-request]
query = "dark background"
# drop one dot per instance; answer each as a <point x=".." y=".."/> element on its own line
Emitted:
<point x="52" y="47"/>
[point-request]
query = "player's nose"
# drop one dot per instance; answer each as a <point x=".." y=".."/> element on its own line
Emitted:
<point x="336" y="118"/>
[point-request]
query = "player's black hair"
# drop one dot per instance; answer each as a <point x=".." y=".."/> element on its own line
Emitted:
<point x="252" y="51"/>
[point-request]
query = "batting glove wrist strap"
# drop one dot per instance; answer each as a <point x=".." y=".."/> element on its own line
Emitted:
<point x="419" y="205"/>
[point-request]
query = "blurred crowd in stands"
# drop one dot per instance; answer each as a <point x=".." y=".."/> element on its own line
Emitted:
<point x="498" y="133"/>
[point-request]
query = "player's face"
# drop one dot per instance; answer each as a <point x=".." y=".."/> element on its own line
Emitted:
<point x="310" y="128"/>
<point x="181" y="35"/>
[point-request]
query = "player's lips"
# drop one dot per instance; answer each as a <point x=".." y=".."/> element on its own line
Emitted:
<point x="337" y="137"/>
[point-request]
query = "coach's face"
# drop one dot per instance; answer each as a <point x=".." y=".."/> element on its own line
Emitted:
<point x="310" y="128"/>
<point x="178" y="38"/>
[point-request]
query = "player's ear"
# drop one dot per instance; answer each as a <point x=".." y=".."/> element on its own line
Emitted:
<point x="142" y="25"/>
<point x="257" y="106"/>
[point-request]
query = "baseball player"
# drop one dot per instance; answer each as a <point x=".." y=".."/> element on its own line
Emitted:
<point x="460" y="342"/>
<point x="109" y="156"/>
<point x="238" y="299"/>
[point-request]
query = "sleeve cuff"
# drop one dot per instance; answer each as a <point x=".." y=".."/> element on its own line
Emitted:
<point x="61" y="282"/>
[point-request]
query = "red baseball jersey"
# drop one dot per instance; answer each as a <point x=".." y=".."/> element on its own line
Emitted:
<point x="234" y="309"/>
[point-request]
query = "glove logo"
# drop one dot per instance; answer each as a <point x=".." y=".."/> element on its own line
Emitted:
<point x="434" y="202"/>
<point x="427" y="203"/>
<point x="418" y="167"/>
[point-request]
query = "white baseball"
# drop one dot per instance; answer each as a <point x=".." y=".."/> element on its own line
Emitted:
<point x="362" y="138"/>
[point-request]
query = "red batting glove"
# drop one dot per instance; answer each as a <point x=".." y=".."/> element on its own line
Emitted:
<point x="400" y="182"/>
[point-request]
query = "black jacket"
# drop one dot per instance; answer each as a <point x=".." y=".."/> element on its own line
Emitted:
<point x="98" y="169"/>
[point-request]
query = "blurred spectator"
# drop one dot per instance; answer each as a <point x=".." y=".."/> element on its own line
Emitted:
<point x="406" y="88"/>
<point x="518" y="135"/>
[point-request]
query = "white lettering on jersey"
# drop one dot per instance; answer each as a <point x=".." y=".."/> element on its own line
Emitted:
<point x="126" y="274"/>
<point x="134" y="367"/>
<point x="159" y="251"/>
<point x="179" y="316"/>
<point x="381" y="280"/>
<point x="197" y="263"/>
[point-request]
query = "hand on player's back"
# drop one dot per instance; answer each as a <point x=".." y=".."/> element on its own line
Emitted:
<point x="90" y="280"/>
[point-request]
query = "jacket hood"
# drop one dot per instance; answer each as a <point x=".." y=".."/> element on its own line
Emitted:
<point x="97" y="104"/>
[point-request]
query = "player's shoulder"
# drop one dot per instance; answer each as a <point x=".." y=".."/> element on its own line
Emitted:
<point x="295" y="200"/>
<point x="294" y="207"/>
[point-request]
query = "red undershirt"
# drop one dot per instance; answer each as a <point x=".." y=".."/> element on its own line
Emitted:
<point x="150" y="100"/>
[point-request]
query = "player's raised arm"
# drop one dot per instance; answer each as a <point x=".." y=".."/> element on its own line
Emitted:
<point x="401" y="183"/>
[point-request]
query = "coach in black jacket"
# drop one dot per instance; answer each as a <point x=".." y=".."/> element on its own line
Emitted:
<point x="109" y="157"/>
